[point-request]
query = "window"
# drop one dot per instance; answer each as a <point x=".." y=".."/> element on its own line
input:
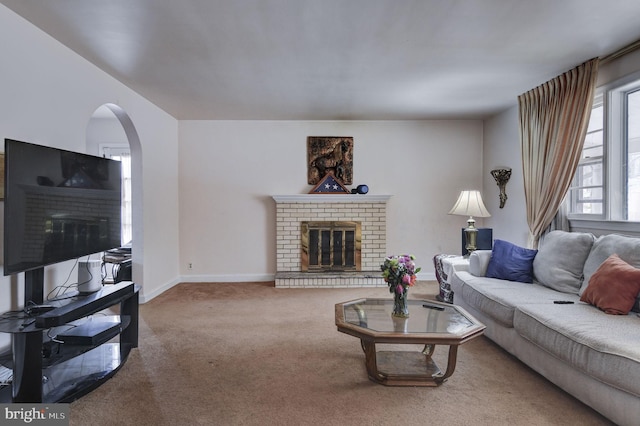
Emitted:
<point x="587" y="192"/>
<point x="606" y="186"/>
<point x="633" y="156"/>
<point x="122" y="153"/>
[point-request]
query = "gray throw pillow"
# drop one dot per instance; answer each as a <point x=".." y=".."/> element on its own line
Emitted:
<point x="560" y="261"/>
<point x="627" y="248"/>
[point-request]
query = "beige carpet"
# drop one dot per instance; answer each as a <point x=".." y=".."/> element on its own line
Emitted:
<point x="251" y="354"/>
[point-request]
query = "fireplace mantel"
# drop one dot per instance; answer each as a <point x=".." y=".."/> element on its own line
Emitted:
<point x="331" y="198"/>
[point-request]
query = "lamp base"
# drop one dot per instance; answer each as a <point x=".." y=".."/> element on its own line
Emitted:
<point x="471" y="238"/>
<point x="484" y="240"/>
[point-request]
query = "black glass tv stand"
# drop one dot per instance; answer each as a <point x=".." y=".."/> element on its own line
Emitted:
<point x="97" y="332"/>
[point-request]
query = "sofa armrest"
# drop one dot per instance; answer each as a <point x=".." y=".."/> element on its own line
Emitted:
<point x="478" y="262"/>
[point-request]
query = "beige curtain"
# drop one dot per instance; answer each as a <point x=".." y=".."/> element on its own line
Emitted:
<point x="553" y="124"/>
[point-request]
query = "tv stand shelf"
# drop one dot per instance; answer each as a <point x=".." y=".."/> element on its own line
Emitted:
<point x="54" y="352"/>
<point x="47" y="369"/>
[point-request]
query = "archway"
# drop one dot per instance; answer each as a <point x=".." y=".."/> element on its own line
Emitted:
<point x="110" y="124"/>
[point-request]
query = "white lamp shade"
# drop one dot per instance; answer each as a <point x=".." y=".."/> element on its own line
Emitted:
<point x="470" y="204"/>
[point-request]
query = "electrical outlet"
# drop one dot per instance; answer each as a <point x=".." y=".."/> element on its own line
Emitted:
<point x="190" y="266"/>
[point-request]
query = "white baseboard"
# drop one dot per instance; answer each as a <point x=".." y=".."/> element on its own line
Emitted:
<point x="426" y="276"/>
<point x="234" y="278"/>
<point x="145" y="297"/>
<point x="227" y="278"/>
<point x="240" y="278"/>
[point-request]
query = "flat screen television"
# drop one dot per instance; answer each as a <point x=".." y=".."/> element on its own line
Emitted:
<point x="59" y="205"/>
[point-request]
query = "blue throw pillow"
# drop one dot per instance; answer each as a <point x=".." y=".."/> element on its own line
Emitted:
<point x="511" y="262"/>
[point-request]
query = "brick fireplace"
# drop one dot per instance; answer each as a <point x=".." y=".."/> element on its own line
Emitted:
<point x="366" y="213"/>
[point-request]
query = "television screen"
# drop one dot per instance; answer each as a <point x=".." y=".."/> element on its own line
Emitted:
<point x="59" y="205"/>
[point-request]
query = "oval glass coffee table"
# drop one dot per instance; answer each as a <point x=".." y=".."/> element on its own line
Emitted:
<point x="430" y="324"/>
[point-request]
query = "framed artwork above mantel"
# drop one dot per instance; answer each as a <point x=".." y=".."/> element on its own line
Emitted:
<point x="330" y="154"/>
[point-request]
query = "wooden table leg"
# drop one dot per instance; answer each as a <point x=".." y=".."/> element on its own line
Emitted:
<point x="371" y="361"/>
<point x="451" y="365"/>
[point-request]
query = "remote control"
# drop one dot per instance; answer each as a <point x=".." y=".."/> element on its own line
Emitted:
<point x="437" y="308"/>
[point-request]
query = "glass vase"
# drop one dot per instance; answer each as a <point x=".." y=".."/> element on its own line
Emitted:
<point x="400" y="306"/>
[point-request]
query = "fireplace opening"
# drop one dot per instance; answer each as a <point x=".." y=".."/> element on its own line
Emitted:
<point x="331" y="246"/>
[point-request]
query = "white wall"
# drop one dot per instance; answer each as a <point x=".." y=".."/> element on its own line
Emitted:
<point x="502" y="149"/>
<point x="104" y="129"/>
<point x="619" y="68"/>
<point x="230" y="169"/>
<point x="48" y="96"/>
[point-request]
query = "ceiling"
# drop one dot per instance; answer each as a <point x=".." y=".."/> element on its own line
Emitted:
<point x="335" y="59"/>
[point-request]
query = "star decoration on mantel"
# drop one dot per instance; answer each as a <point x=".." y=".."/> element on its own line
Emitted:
<point x="329" y="184"/>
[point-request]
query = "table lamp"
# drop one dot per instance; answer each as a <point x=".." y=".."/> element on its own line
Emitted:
<point x="470" y="204"/>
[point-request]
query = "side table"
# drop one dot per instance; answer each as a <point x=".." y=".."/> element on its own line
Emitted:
<point x="446" y="265"/>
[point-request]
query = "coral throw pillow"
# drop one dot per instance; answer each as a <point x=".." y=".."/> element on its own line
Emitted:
<point x="614" y="286"/>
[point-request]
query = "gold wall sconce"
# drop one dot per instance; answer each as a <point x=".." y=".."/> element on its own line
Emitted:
<point x="502" y="176"/>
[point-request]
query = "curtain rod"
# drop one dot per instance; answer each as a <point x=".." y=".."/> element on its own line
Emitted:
<point x="617" y="54"/>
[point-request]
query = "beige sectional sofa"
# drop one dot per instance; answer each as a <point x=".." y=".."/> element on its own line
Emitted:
<point x="593" y="355"/>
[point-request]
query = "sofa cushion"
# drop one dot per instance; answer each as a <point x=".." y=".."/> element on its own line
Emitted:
<point x="499" y="299"/>
<point x="478" y="262"/>
<point x="511" y="262"/>
<point x="559" y="263"/>
<point x="614" y="287"/>
<point x="603" y="346"/>
<point x="626" y="247"/>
